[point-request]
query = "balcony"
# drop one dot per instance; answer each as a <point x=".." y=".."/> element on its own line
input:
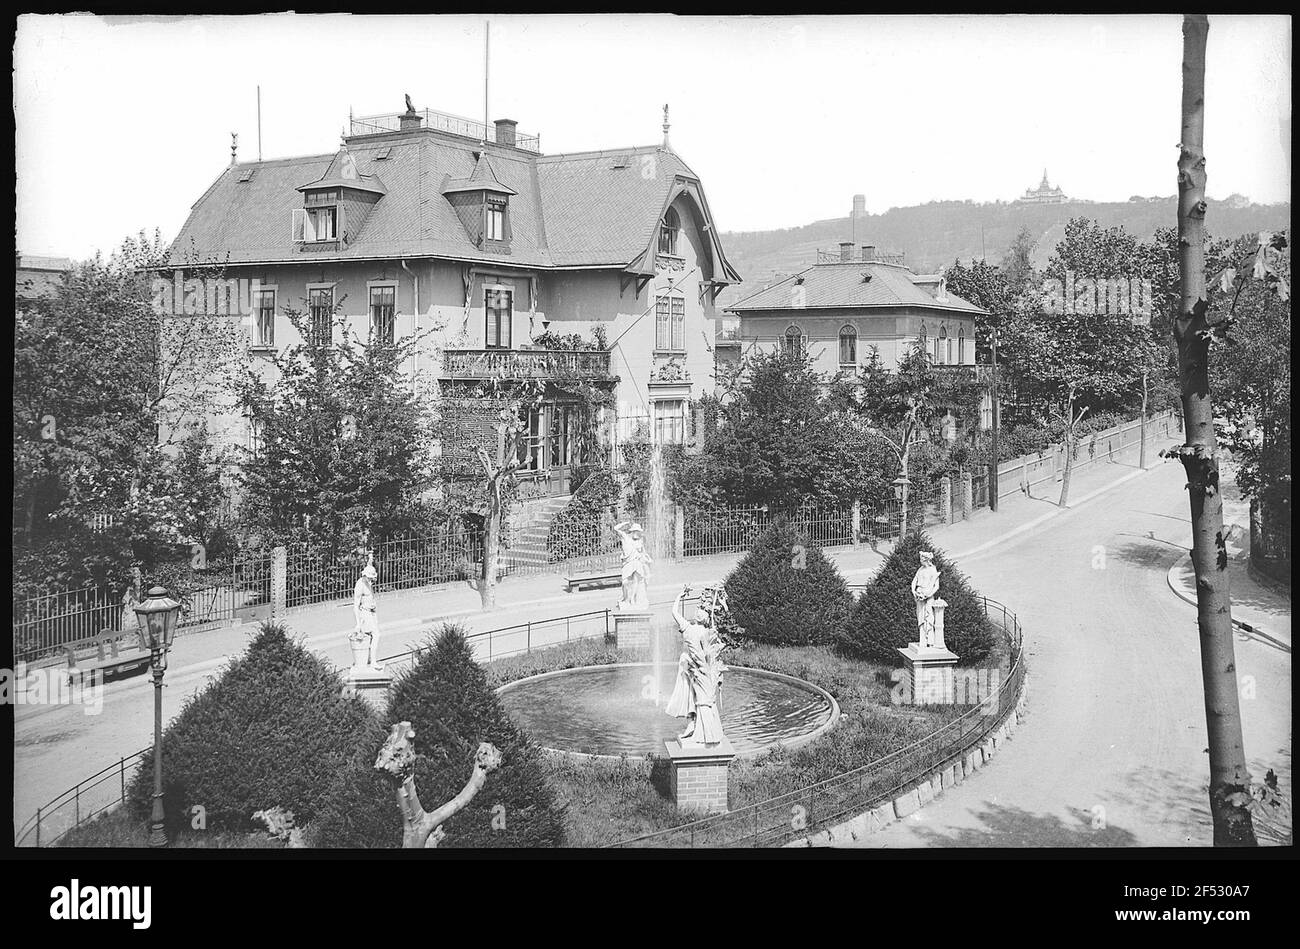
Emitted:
<point x="475" y="364"/>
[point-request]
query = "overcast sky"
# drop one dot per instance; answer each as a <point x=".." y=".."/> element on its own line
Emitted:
<point x="123" y="122"/>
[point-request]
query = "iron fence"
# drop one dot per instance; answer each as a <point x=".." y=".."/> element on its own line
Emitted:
<point x="826" y="803"/>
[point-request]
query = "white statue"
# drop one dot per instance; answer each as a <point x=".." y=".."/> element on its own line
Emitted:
<point x="699" y="676"/>
<point x="364" y="609"/>
<point x="636" y="567"/>
<point x="925" y="586"/>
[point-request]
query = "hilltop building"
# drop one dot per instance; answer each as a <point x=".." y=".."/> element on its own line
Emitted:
<point x="1043" y="194"/>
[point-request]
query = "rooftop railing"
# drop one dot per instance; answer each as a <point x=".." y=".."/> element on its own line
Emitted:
<point x="439" y="122"/>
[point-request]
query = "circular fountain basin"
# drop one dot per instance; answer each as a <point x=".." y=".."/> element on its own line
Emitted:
<point x="614" y="710"/>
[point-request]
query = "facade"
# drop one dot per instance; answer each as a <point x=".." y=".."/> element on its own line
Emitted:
<point x="426" y="225"/>
<point x="837" y="311"/>
<point x="38" y="276"/>
<point x="1043" y="194"/>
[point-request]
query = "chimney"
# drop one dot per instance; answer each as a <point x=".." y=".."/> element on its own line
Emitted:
<point x="411" y="120"/>
<point x="846" y="250"/>
<point x="868" y="251"/>
<point x="505" y="131"/>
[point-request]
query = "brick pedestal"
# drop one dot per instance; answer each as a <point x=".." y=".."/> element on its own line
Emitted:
<point x="632" y="630"/>
<point x="369" y="683"/>
<point x="699" y="780"/>
<point x="929" y="675"/>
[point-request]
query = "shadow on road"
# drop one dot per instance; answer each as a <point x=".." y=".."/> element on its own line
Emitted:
<point x="1014" y="827"/>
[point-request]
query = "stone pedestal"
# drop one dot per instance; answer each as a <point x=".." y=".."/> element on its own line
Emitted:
<point x="632" y="630"/>
<point x="699" y="779"/>
<point x="371" y="684"/>
<point x="929" y="675"/>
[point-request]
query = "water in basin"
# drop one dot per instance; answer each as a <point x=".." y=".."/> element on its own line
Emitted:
<point x="611" y="710"/>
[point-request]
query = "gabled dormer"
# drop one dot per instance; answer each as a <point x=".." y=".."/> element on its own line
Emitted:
<point x="482" y="203"/>
<point x="336" y="206"/>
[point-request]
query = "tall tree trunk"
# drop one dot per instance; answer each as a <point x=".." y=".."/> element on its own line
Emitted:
<point x="1229" y="779"/>
<point x="487" y="585"/>
<point x="1142" y="448"/>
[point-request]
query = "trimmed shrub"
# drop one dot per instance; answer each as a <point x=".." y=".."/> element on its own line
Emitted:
<point x="273" y="730"/>
<point x="785" y="590"/>
<point x="580" y="529"/>
<point x="447" y="699"/>
<point x="884" y="619"/>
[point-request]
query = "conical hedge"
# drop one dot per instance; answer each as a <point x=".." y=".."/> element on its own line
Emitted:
<point x="785" y="591"/>
<point x="446" y="697"/>
<point x="884" y="619"/>
<point x="273" y="730"/>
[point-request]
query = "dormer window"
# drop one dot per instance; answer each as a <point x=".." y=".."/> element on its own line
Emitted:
<point x="319" y="219"/>
<point x="495" y="229"/>
<point x="669" y="228"/>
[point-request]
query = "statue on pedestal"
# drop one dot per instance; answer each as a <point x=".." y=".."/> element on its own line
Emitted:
<point x="367" y="629"/>
<point x="699" y="676"/>
<point x="925" y="587"/>
<point x="636" y="567"/>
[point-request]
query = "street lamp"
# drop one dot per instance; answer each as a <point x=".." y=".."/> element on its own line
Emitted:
<point x="156" y="616"/>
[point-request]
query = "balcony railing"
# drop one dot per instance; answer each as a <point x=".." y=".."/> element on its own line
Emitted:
<point x="524" y="364"/>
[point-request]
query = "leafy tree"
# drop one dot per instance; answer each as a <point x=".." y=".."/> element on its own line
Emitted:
<point x="1017" y="264"/>
<point x="991" y="289"/>
<point x="884" y="618"/>
<point x="785" y="591"/>
<point x="344" y="441"/>
<point x="107" y="386"/>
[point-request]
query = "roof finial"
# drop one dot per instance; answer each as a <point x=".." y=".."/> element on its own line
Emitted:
<point x="234" y="146"/>
<point x="665" y="125"/>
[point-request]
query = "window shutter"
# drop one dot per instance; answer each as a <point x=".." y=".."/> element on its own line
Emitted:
<point x="341" y="224"/>
<point x="299" y="225"/>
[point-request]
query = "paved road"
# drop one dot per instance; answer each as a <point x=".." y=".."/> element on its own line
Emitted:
<point x="1112" y="752"/>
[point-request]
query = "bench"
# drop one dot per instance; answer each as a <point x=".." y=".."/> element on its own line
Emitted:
<point x="593" y="580"/>
<point x="105" y="652"/>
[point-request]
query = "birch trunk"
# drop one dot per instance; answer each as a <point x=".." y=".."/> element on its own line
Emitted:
<point x="1229" y="779"/>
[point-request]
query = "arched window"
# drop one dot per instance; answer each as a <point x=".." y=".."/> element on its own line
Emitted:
<point x="944" y="352"/>
<point x="961" y="344"/>
<point x="793" y="340"/>
<point x="668" y="231"/>
<point x="848" y="345"/>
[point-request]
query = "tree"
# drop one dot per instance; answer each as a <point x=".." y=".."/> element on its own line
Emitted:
<point x="991" y="289"/>
<point x="785" y="591"/>
<point x="1229" y="777"/>
<point x="1017" y="264"/>
<point x="344" y="446"/>
<point x="107" y="386"/>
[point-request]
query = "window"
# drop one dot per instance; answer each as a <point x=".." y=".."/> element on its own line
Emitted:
<point x="264" y="320"/>
<point x="321" y="224"/>
<point x="670" y="422"/>
<point x="499" y="308"/>
<point x="793" y="340"/>
<point x="668" y="231"/>
<point x="563" y="435"/>
<point x="670" y="324"/>
<point x="961" y="345"/>
<point x="496" y="221"/>
<point x="530" y="441"/>
<point x="320" y="304"/>
<point x="256" y="436"/>
<point x="848" y="345"/>
<point x="941" y="344"/>
<point x="383" y="309"/>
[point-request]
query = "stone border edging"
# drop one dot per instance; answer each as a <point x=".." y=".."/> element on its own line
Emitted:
<point x="789" y="744"/>
<point x="1174" y="579"/>
<point x="956" y="770"/>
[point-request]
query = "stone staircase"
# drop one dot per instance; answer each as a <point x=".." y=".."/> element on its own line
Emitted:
<point x="528" y="543"/>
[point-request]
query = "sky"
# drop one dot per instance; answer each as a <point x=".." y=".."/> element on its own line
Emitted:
<point x="123" y="122"/>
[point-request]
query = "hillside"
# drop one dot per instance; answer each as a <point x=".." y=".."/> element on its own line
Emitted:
<point x="933" y="235"/>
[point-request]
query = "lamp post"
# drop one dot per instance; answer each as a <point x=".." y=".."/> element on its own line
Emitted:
<point x="993" y="468"/>
<point x="156" y="616"/>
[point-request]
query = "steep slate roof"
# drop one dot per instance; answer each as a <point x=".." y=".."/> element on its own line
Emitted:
<point x="842" y="285"/>
<point x="588" y="209"/>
